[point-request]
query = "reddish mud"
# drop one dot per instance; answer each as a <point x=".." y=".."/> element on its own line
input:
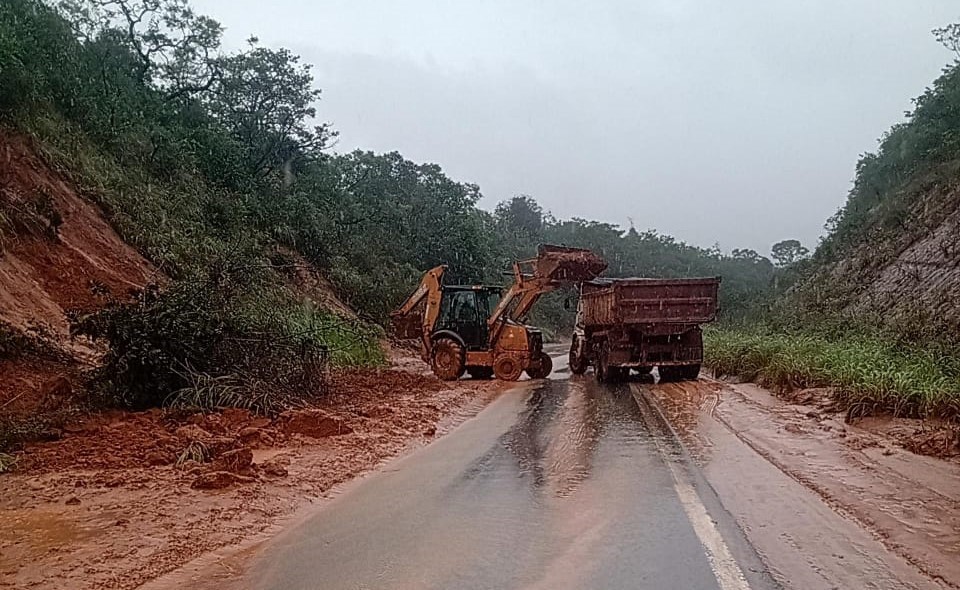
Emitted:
<point x="866" y="473"/>
<point x="109" y="507"/>
<point x="45" y="270"/>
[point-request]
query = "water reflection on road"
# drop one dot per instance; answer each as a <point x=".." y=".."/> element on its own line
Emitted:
<point x="558" y="484"/>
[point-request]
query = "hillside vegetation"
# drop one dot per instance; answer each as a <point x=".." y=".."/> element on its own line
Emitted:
<point x="890" y="261"/>
<point x="875" y="312"/>
<point x="211" y="164"/>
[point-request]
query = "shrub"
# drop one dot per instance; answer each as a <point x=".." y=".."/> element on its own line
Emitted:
<point x="226" y="337"/>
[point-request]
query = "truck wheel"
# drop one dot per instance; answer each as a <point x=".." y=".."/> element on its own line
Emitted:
<point x="601" y="368"/>
<point x="507" y="368"/>
<point x="542" y="368"/>
<point x="690" y="372"/>
<point x="447" y="359"/>
<point x="578" y="363"/>
<point x="480" y="372"/>
<point x="670" y="374"/>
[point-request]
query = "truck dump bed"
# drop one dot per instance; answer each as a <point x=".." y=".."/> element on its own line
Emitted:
<point x="611" y="302"/>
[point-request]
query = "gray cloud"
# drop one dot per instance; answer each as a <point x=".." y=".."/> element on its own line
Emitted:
<point x="735" y="122"/>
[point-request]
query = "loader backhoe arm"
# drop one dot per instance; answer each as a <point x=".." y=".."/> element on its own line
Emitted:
<point x="431" y="291"/>
<point x="521" y="296"/>
<point x="554" y="267"/>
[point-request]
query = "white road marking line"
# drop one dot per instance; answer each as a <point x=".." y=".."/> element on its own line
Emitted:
<point x="725" y="568"/>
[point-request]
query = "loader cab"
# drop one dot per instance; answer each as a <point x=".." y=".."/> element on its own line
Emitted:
<point x="464" y="310"/>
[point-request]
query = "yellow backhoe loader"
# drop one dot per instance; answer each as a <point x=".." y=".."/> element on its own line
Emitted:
<point x="479" y="328"/>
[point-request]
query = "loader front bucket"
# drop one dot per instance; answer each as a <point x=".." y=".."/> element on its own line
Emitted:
<point x="567" y="265"/>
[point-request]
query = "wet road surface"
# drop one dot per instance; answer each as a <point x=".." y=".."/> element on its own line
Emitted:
<point x="562" y="483"/>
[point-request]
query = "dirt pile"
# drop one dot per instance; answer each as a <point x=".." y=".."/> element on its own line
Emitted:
<point x="124" y="497"/>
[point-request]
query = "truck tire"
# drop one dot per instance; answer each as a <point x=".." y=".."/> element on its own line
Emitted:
<point x="690" y="372"/>
<point x="542" y="368"/>
<point x="600" y="367"/>
<point x="578" y="362"/>
<point x="507" y="368"/>
<point x="480" y="372"/>
<point x="670" y="374"/>
<point x="447" y="359"/>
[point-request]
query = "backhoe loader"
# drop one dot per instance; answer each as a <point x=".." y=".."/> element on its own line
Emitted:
<point x="479" y="328"/>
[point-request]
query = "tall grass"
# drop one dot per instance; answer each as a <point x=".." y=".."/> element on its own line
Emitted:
<point x="867" y="374"/>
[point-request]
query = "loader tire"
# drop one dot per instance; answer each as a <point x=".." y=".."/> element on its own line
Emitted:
<point x="448" y="359"/>
<point x="542" y="368"/>
<point x="480" y="372"/>
<point x="507" y="368"/>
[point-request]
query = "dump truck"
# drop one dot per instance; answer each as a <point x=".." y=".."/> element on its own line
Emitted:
<point x="638" y="324"/>
<point x="479" y="329"/>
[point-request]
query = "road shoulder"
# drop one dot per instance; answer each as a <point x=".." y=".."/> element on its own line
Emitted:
<point x="825" y="504"/>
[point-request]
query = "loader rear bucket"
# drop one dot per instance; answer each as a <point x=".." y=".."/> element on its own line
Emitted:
<point x="572" y="265"/>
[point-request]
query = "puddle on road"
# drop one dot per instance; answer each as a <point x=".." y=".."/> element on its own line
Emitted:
<point x="25" y="533"/>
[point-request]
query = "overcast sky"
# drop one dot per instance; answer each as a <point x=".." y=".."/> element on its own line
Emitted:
<point x="736" y="122"/>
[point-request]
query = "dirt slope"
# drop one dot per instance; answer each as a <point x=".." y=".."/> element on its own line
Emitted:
<point x="906" y="278"/>
<point x="59" y="253"/>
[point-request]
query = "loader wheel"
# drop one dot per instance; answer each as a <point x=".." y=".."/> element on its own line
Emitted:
<point x="481" y="372"/>
<point x="542" y="368"/>
<point x="447" y="360"/>
<point x="507" y="368"/>
<point x="578" y="363"/>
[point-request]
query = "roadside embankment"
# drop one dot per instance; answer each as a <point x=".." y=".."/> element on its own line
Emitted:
<point x="866" y="375"/>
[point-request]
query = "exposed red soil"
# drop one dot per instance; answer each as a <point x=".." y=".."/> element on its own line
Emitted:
<point x="108" y="506"/>
<point x="57" y="255"/>
<point x="43" y="272"/>
<point x="304" y="278"/>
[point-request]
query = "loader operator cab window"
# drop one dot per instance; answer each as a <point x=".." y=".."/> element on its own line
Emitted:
<point x="459" y="313"/>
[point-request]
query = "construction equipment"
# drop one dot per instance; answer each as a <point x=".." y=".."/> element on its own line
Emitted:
<point x="638" y="324"/>
<point x="479" y="328"/>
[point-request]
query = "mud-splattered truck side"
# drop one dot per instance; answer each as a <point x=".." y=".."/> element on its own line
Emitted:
<point x="639" y="324"/>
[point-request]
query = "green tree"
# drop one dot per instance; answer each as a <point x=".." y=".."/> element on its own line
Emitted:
<point x="788" y="252"/>
<point x="949" y="36"/>
<point x="266" y="98"/>
<point x="176" y="49"/>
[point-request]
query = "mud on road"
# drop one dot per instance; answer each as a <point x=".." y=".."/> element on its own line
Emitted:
<point x="108" y="506"/>
<point x="827" y="504"/>
<point x="820" y="503"/>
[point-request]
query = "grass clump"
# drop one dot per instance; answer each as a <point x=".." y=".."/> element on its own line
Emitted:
<point x="868" y="374"/>
<point x="7" y="462"/>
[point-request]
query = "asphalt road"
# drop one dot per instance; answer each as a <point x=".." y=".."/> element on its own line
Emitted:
<point x="562" y="483"/>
